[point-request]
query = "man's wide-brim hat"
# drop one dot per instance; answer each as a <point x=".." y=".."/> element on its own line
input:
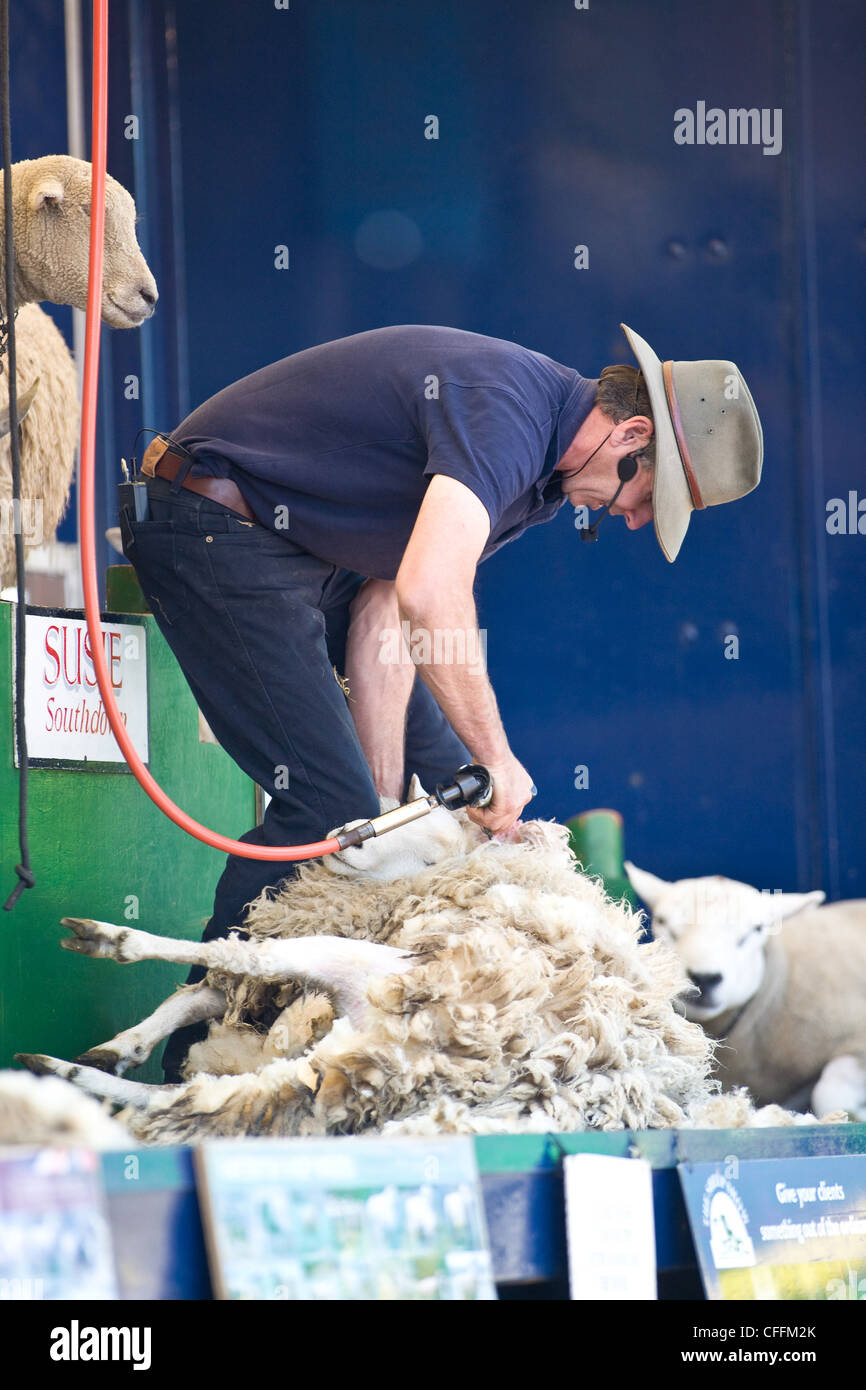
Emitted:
<point x="709" y="446"/>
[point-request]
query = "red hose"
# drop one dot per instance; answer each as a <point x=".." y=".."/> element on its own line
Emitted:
<point x="86" y="484"/>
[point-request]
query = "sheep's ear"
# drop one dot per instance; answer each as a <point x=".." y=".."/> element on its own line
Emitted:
<point x="415" y="788"/>
<point x="49" y="190"/>
<point x="782" y="905"/>
<point x="25" y="400"/>
<point x="646" y="885"/>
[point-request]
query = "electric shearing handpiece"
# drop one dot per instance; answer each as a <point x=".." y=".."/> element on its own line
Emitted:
<point x="471" y="785"/>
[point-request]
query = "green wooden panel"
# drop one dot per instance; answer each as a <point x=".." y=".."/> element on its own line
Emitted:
<point x="96" y="839"/>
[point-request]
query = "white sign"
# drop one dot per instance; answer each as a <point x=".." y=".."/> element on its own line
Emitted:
<point x="65" y="716"/>
<point x="610" y="1227"/>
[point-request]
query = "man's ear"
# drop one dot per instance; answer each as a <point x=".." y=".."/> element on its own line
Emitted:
<point x="637" y="432"/>
<point x="646" y="885"/>
<point x="415" y="788"/>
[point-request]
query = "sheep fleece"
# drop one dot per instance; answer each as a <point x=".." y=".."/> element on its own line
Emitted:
<point x="532" y="1007"/>
<point x="49" y="431"/>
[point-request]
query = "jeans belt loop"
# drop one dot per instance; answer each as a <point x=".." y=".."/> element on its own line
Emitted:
<point x="178" y="480"/>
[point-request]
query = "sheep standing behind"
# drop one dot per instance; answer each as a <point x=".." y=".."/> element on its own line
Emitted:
<point x="51" y="218"/>
<point x="49" y="435"/>
<point x="778" y="979"/>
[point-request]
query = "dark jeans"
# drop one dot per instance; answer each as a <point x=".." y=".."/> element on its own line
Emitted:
<point x="257" y="625"/>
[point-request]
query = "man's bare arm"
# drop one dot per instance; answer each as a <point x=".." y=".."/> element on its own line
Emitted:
<point x="434" y="594"/>
<point x="380" y="673"/>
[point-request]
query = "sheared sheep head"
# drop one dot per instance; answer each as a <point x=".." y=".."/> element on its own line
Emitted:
<point x="719" y="929"/>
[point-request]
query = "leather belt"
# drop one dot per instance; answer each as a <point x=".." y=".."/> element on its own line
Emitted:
<point x="161" y="461"/>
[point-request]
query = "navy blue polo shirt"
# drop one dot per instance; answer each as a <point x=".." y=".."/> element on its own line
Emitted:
<point x="335" y="446"/>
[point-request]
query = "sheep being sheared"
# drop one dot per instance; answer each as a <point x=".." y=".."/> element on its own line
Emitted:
<point x="493" y="989"/>
<point x="51" y="217"/>
<point x="780" y="979"/>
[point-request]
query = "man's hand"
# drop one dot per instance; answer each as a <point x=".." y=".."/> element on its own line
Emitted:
<point x="512" y="790"/>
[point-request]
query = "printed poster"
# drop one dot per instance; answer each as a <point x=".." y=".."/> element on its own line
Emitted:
<point x="788" y="1228"/>
<point x="345" y="1219"/>
<point x="55" y="1241"/>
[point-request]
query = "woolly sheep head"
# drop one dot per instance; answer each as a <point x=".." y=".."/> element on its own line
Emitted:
<point x="52" y="234"/>
<point x="719" y="929"/>
<point x="406" y="851"/>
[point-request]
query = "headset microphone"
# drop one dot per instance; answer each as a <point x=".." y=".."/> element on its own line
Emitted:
<point x="625" y="469"/>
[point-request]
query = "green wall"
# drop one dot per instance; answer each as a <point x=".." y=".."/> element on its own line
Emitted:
<point x="95" y="839"/>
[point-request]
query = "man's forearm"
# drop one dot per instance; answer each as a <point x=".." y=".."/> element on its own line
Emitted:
<point x="380" y="683"/>
<point x="434" y="587"/>
<point x="446" y="647"/>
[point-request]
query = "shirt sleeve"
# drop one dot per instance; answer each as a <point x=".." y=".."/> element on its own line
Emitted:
<point x="485" y="438"/>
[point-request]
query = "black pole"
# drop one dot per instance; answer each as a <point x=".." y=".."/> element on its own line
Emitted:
<point x="25" y="877"/>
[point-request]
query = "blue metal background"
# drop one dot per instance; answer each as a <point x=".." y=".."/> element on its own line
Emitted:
<point x="262" y="126"/>
<point x="38" y="107"/>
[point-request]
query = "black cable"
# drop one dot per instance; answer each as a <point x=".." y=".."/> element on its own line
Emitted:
<point x="160" y="434"/>
<point x="25" y="876"/>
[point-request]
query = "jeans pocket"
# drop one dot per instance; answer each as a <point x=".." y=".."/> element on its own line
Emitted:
<point x="150" y="547"/>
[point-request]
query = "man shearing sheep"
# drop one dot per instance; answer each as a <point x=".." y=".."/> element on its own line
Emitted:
<point x="308" y="514"/>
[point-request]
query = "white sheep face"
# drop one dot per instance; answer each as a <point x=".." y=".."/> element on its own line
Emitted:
<point x="52" y="233"/>
<point x="719" y="928"/>
<point x="406" y="851"/>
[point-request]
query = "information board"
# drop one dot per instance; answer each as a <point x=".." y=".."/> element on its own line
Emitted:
<point x="344" y="1218"/>
<point x="787" y="1228"/>
<point x="54" y="1236"/>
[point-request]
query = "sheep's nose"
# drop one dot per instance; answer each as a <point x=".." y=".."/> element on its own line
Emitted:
<point x="705" y="983"/>
<point x="149" y="296"/>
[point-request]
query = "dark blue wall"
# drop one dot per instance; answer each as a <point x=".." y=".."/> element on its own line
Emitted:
<point x="37" y="100"/>
<point x="556" y="128"/>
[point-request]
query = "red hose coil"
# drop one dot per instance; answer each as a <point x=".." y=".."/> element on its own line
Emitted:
<point x="86" y="484"/>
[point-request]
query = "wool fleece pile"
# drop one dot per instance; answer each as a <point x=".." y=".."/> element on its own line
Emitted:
<point x="531" y="1006"/>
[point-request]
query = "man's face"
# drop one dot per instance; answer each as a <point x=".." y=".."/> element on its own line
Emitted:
<point x="634" y="502"/>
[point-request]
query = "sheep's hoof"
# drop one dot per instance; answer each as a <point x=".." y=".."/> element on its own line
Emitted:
<point x="42" y="1065"/>
<point x="92" y="938"/>
<point x="103" y="1059"/>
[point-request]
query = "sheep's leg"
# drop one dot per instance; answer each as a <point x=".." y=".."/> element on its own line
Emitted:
<point x="95" y="1083"/>
<point x="134" y="1045"/>
<point x="338" y="964"/>
<point x="127" y="944"/>
<point x="842" y="1086"/>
